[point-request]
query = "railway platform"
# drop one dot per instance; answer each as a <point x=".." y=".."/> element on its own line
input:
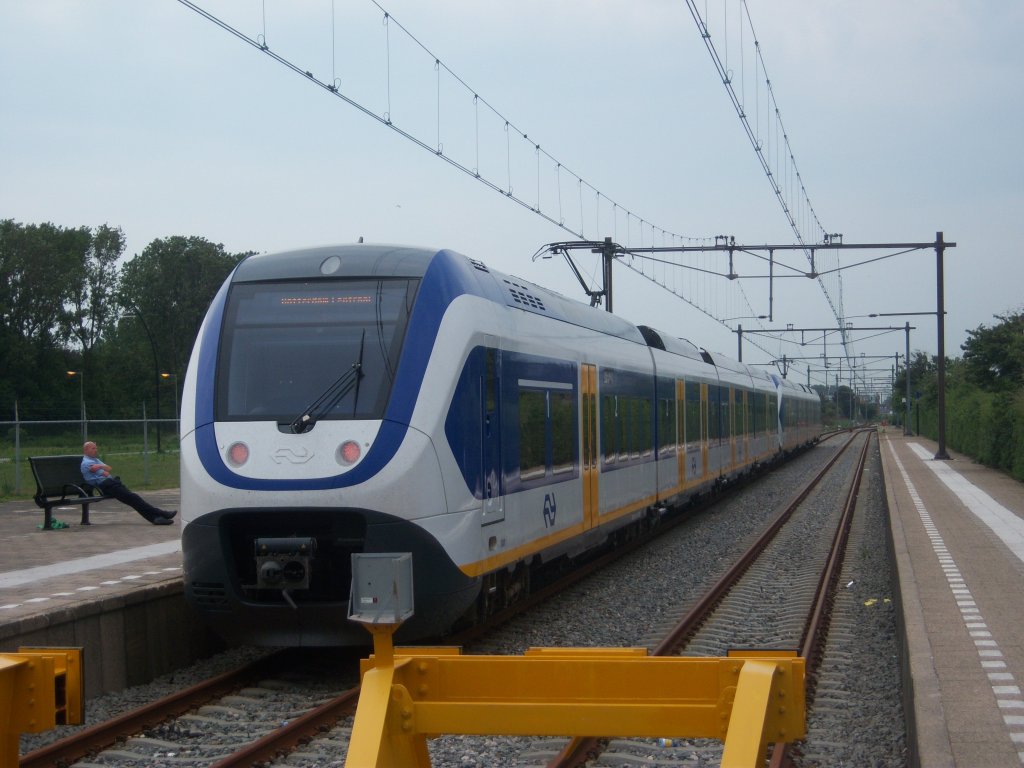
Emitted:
<point x="113" y="588"/>
<point x="958" y="535"/>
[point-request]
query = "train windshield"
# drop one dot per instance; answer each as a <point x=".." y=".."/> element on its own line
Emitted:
<point x="285" y="344"/>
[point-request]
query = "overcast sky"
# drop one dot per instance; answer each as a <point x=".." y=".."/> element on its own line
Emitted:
<point x="905" y="119"/>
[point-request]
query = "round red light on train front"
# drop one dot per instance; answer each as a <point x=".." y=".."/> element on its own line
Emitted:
<point x="349" y="452"/>
<point x="238" y="454"/>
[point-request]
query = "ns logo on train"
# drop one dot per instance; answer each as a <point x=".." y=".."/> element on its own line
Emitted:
<point x="549" y="510"/>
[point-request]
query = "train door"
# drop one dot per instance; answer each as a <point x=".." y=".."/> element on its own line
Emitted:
<point x="588" y="428"/>
<point x="490" y="438"/>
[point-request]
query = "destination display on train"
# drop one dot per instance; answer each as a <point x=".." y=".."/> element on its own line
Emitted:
<point x="295" y="301"/>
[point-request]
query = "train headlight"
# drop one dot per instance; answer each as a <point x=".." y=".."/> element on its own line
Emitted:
<point x="238" y="454"/>
<point x="349" y="453"/>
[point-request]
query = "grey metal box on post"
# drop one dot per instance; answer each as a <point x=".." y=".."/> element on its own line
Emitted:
<point x="381" y="588"/>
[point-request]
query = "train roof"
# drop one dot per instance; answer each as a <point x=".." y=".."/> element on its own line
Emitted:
<point x="336" y="260"/>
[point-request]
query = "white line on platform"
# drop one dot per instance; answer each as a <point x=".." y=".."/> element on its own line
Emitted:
<point x="29" y="575"/>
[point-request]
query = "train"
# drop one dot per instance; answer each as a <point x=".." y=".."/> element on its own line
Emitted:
<point x="391" y="399"/>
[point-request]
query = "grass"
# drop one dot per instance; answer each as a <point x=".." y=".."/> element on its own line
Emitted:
<point x="140" y="471"/>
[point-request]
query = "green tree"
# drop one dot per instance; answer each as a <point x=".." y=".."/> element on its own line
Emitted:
<point x="90" y="311"/>
<point x="995" y="356"/>
<point x="42" y="269"/>
<point x="167" y="289"/>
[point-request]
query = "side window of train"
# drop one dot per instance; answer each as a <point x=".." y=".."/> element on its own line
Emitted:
<point x="717" y="425"/>
<point x="547" y="430"/>
<point x="666" y="426"/>
<point x="562" y="406"/>
<point x="610" y="437"/>
<point x="532" y="429"/>
<point x="692" y="412"/>
<point x="643" y="438"/>
<point x="490" y="380"/>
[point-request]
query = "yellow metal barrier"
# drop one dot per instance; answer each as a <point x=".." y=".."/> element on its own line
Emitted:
<point x="40" y="688"/>
<point x="412" y="694"/>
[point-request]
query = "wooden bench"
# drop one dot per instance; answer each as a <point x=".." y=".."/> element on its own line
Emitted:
<point x="59" y="483"/>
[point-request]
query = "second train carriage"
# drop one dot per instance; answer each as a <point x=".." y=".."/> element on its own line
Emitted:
<point x="377" y="399"/>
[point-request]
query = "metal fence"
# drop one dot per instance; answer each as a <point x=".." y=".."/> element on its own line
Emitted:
<point x="20" y="439"/>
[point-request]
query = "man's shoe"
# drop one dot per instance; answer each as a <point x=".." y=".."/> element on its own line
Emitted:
<point x="162" y="521"/>
<point x="169" y="513"/>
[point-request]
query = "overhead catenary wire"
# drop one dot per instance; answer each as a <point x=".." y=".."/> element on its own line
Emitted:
<point x="551" y="207"/>
<point x="779" y="166"/>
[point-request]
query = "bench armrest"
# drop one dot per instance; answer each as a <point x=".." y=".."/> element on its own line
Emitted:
<point x="77" y="489"/>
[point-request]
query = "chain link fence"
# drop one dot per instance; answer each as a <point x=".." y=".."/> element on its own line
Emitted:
<point x="140" y="443"/>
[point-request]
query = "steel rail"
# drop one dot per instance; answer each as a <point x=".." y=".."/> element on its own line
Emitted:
<point x="97" y="737"/>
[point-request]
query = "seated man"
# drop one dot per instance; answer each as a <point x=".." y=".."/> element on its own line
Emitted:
<point x="98" y="474"/>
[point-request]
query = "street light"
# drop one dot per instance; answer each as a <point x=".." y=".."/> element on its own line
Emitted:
<point x="174" y="382"/>
<point x="81" y="400"/>
<point x="156" y="369"/>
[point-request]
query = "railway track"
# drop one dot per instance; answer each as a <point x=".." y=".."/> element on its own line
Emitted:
<point x="774" y="596"/>
<point x="257" y="724"/>
<point x="236" y="718"/>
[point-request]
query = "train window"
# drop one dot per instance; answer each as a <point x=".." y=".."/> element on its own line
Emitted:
<point x="532" y="433"/>
<point x="643" y="442"/>
<point x="547" y="430"/>
<point x="609" y="428"/>
<point x="712" y="413"/>
<point x="288" y="345"/>
<point x="630" y="426"/>
<point x="628" y="419"/>
<point x="666" y="426"/>
<point x="490" y="379"/>
<point x="692" y="413"/>
<point x="624" y="426"/>
<point x="681" y="419"/>
<point x="563" y="430"/>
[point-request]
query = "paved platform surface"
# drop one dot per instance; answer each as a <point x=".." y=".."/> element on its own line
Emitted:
<point x="46" y="571"/>
<point x="958" y="530"/>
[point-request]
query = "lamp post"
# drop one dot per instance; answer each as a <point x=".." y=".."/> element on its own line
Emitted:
<point x="81" y="400"/>
<point x="173" y="377"/>
<point x="156" y="371"/>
